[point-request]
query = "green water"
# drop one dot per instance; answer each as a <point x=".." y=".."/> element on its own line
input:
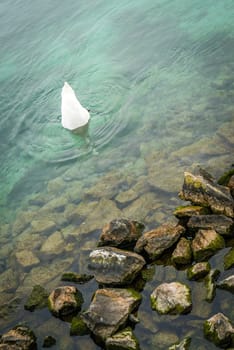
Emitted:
<point x="158" y="77"/>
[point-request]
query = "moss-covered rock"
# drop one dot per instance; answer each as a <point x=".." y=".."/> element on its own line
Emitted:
<point x="219" y="330"/>
<point x="224" y="179"/>
<point x="228" y="259"/>
<point x="76" y="277"/>
<point x="38" y="299"/>
<point x="206" y="243"/>
<point x="183" y="345"/>
<point x="227" y="284"/>
<point x="78" y="327"/>
<point x="123" y="340"/>
<point x="198" y="271"/>
<point x="210" y="283"/>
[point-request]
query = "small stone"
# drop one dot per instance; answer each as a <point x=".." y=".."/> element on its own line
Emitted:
<point x="123" y="340"/>
<point x="220" y="223"/>
<point x="115" y="266"/>
<point x="210" y="284"/>
<point x="65" y="300"/>
<point x="109" y="310"/>
<point x="182" y="254"/>
<point x="227" y="284"/>
<point x="78" y="327"/>
<point x="228" y="259"/>
<point x="76" y="277"/>
<point x="219" y="330"/>
<point x="19" y="337"/>
<point x="183" y="345"/>
<point x="190" y="210"/>
<point x="38" y="299"/>
<point x="171" y="298"/>
<point x="120" y="233"/>
<point x="49" y="341"/>
<point x="198" y="271"/>
<point x="206" y="243"/>
<point x="154" y="243"/>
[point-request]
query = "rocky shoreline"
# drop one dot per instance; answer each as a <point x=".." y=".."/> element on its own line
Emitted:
<point x="121" y="263"/>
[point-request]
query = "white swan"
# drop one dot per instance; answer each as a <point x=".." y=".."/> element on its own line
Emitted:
<point x="74" y="116"/>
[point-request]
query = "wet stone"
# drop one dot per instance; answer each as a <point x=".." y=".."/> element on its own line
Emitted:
<point x="27" y="258"/>
<point x="228" y="259"/>
<point x="54" y="244"/>
<point x="190" y="210"/>
<point x="78" y="327"/>
<point x="202" y="190"/>
<point x="171" y="298"/>
<point x="155" y="242"/>
<point x="38" y="299"/>
<point x="198" y="270"/>
<point x="109" y="310"/>
<point x="123" y="340"/>
<point x="19" y="337"/>
<point x="206" y="243"/>
<point x="210" y="283"/>
<point x="65" y="300"/>
<point x="220" y="223"/>
<point x="182" y="254"/>
<point x="120" y="233"/>
<point x="183" y="345"/>
<point x="76" y="277"/>
<point x="219" y="330"/>
<point x="115" y="266"/>
<point x="227" y="284"/>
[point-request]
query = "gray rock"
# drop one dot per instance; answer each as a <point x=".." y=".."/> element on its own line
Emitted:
<point x="227" y="284"/>
<point x="65" y="300"/>
<point x="157" y="241"/>
<point x="219" y="330"/>
<point x="109" y="310"/>
<point x="120" y="233"/>
<point x="206" y="243"/>
<point x="123" y="340"/>
<point x="171" y="298"/>
<point x="182" y="254"/>
<point x="210" y="283"/>
<point x="115" y="266"/>
<point x="220" y="223"/>
<point x="202" y="190"/>
<point x="199" y="270"/>
<point x="18" y="338"/>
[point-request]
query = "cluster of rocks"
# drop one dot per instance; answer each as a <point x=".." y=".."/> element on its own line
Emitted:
<point x="122" y="254"/>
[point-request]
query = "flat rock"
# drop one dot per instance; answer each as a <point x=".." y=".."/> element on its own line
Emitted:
<point x="206" y="243"/>
<point x="38" y="299"/>
<point x="220" y="223"/>
<point x="155" y="242"/>
<point x="227" y="284"/>
<point x="210" y="284"/>
<point x="171" y="298"/>
<point x="202" y="190"/>
<point x="115" y="266"/>
<point x="65" y="300"/>
<point x="120" y="233"/>
<point x="109" y="310"/>
<point x="198" y="270"/>
<point x="219" y="330"/>
<point x="123" y="340"/>
<point x="182" y="254"/>
<point x="17" y="338"/>
<point x="187" y="211"/>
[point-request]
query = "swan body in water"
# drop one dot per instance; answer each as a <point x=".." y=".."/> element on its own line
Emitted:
<point x="74" y="116"/>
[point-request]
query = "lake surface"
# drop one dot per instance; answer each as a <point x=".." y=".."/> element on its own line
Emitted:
<point x="158" y="78"/>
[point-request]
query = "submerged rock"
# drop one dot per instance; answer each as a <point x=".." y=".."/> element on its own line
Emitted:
<point x="202" y="190"/>
<point x="65" y="300"/>
<point x="120" y="233"/>
<point x="17" y="338"/>
<point x="199" y="270"/>
<point x="38" y="299"/>
<point x="183" y="345"/>
<point x="115" y="266"/>
<point x="109" y="310"/>
<point x="206" y="243"/>
<point x="49" y="341"/>
<point x="78" y="327"/>
<point x="171" y="298"/>
<point x="228" y="259"/>
<point x="227" y="284"/>
<point x="76" y="277"/>
<point x="123" y="340"/>
<point x="219" y="330"/>
<point x="154" y="243"/>
<point x="220" y="223"/>
<point x="182" y="254"/>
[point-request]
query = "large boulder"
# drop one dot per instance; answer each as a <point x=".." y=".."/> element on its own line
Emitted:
<point x="18" y="338"/>
<point x="115" y="266"/>
<point x="220" y="223"/>
<point x="120" y="233"/>
<point x="154" y="243"/>
<point x="64" y="301"/>
<point x="206" y="243"/>
<point x="171" y="298"/>
<point x="219" y="330"/>
<point x="109" y="310"/>
<point x="202" y="190"/>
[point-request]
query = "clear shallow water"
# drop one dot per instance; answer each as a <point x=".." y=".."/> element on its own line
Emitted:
<point x="157" y="77"/>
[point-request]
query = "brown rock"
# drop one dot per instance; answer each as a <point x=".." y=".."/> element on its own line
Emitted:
<point x="206" y="243"/>
<point x="182" y="254"/>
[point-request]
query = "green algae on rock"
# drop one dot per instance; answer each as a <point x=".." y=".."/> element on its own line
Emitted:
<point x="219" y="330"/>
<point x="182" y="254"/>
<point x="76" y="277"/>
<point x="38" y="299"/>
<point x="198" y="270"/>
<point x="206" y="243"/>
<point x="64" y="301"/>
<point x="78" y="327"/>
<point x="122" y="340"/>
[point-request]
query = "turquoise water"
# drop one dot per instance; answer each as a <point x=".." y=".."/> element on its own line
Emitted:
<point x="158" y="77"/>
